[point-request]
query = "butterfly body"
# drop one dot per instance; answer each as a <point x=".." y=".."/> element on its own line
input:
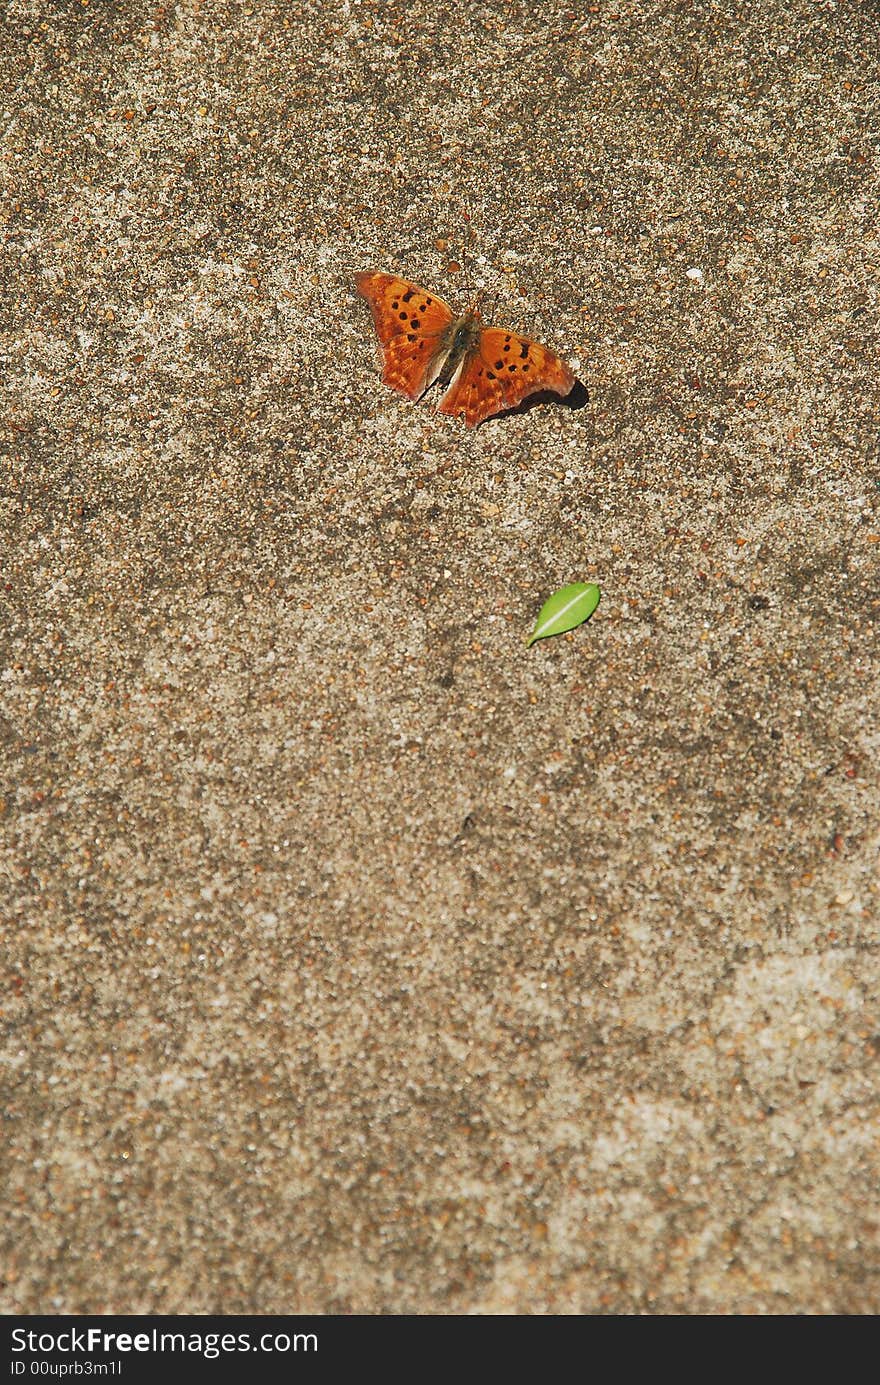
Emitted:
<point x="480" y="370"/>
<point x="465" y="338"/>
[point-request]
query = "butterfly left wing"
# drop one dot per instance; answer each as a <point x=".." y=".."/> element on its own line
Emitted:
<point x="413" y="328"/>
<point x="503" y="371"/>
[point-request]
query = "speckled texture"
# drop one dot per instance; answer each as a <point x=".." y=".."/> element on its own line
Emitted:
<point x="355" y="958"/>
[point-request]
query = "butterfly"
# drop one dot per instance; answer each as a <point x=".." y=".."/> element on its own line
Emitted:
<point x="480" y="370"/>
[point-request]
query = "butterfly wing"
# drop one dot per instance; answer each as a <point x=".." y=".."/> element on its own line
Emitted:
<point x="503" y="371"/>
<point x="413" y="327"/>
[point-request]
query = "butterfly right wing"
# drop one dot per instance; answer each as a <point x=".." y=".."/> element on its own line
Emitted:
<point x="503" y="371"/>
<point x="413" y="327"/>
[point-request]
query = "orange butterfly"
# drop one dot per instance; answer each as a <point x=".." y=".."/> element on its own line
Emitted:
<point x="480" y="370"/>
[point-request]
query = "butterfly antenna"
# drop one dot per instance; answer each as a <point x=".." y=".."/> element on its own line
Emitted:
<point x="495" y="294"/>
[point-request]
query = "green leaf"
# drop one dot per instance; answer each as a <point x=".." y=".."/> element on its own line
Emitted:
<point x="565" y="609"/>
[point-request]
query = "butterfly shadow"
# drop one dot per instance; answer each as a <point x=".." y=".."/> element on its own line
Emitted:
<point x="576" y="398"/>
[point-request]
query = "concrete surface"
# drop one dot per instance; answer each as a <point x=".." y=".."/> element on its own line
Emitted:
<point x="356" y="958"/>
